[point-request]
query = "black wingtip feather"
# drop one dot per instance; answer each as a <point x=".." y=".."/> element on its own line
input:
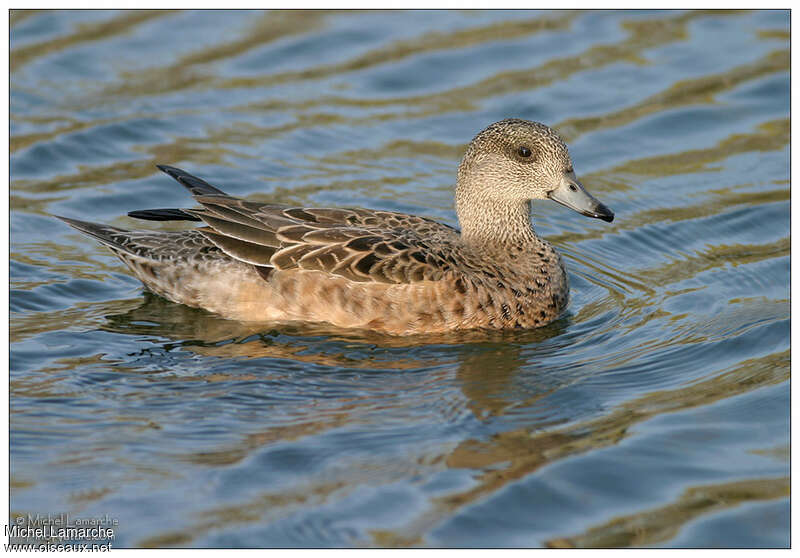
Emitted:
<point x="162" y="215"/>
<point x="197" y="186"/>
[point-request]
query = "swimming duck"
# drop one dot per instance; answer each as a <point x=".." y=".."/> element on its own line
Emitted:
<point x="370" y="269"/>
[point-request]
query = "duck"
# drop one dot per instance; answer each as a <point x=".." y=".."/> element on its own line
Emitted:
<point x="371" y="269"/>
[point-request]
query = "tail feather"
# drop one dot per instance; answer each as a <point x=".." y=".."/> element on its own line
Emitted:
<point x="112" y="237"/>
<point x="148" y="245"/>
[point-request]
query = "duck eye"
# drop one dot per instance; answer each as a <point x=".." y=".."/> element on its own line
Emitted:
<point x="524" y="151"/>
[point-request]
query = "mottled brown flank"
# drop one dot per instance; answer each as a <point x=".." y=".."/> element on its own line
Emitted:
<point x="362" y="268"/>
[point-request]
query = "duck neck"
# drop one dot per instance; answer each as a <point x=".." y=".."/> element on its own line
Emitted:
<point x="487" y="222"/>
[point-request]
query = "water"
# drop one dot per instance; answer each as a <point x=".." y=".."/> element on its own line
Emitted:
<point x="654" y="413"/>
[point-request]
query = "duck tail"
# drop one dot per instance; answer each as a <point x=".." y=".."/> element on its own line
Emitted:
<point x="113" y="237"/>
<point x="144" y="252"/>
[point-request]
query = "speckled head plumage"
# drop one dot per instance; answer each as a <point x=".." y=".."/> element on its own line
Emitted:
<point x="505" y="166"/>
<point x="518" y="159"/>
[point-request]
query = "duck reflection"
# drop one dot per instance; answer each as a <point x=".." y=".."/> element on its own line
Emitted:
<point x="486" y="363"/>
<point x="482" y="357"/>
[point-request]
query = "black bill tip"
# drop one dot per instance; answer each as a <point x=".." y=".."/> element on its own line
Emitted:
<point x="604" y="213"/>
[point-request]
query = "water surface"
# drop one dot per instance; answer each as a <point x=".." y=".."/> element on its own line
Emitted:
<point x="655" y="412"/>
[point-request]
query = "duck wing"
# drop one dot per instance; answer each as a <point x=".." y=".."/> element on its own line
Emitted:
<point x="359" y="244"/>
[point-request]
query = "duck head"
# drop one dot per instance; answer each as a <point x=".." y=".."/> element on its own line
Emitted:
<point x="514" y="161"/>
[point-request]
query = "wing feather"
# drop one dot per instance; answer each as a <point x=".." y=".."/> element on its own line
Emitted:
<point x="359" y="244"/>
<point x="248" y="252"/>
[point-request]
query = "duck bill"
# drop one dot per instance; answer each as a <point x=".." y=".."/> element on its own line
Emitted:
<point x="571" y="193"/>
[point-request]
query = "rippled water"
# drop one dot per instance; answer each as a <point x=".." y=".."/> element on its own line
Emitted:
<point x="654" y="413"/>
